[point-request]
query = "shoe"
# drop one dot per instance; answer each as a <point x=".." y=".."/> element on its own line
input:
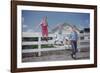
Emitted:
<point x="73" y="56"/>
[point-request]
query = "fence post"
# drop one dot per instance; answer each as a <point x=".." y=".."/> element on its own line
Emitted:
<point x="79" y="39"/>
<point x="39" y="45"/>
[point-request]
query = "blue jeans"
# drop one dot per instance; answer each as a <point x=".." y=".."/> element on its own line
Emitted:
<point x="74" y="47"/>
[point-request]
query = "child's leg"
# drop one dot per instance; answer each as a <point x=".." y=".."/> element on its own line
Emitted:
<point x="45" y="38"/>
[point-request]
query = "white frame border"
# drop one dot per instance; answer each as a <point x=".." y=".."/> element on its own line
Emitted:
<point x="53" y="63"/>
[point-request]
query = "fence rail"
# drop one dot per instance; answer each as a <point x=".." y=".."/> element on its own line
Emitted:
<point x="39" y="43"/>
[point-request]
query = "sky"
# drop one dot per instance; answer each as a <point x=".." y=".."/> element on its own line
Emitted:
<point x="31" y="19"/>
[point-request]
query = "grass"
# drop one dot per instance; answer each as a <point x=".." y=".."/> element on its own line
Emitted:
<point x="43" y="46"/>
<point x="34" y="46"/>
<point x="47" y="46"/>
<point x="30" y="39"/>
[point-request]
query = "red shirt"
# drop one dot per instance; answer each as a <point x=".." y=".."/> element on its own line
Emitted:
<point x="44" y="29"/>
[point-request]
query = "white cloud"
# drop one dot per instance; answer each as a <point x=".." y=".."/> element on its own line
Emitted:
<point x="25" y="26"/>
<point x="30" y="30"/>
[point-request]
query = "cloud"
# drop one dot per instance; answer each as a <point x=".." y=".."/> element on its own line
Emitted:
<point x="25" y="26"/>
<point x="30" y="30"/>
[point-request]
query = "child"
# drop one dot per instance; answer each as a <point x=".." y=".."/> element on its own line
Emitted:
<point x="73" y="39"/>
<point x="44" y="26"/>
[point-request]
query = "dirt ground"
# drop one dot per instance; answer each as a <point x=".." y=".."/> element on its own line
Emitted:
<point x="54" y="56"/>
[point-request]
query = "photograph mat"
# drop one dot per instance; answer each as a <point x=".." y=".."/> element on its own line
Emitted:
<point x="20" y="64"/>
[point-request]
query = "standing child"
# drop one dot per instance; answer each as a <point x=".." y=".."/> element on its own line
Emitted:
<point x="73" y="39"/>
<point x="44" y="27"/>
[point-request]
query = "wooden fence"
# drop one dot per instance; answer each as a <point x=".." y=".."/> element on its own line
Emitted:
<point x="39" y="43"/>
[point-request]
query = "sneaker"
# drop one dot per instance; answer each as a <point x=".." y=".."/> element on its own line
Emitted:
<point x="73" y="56"/>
